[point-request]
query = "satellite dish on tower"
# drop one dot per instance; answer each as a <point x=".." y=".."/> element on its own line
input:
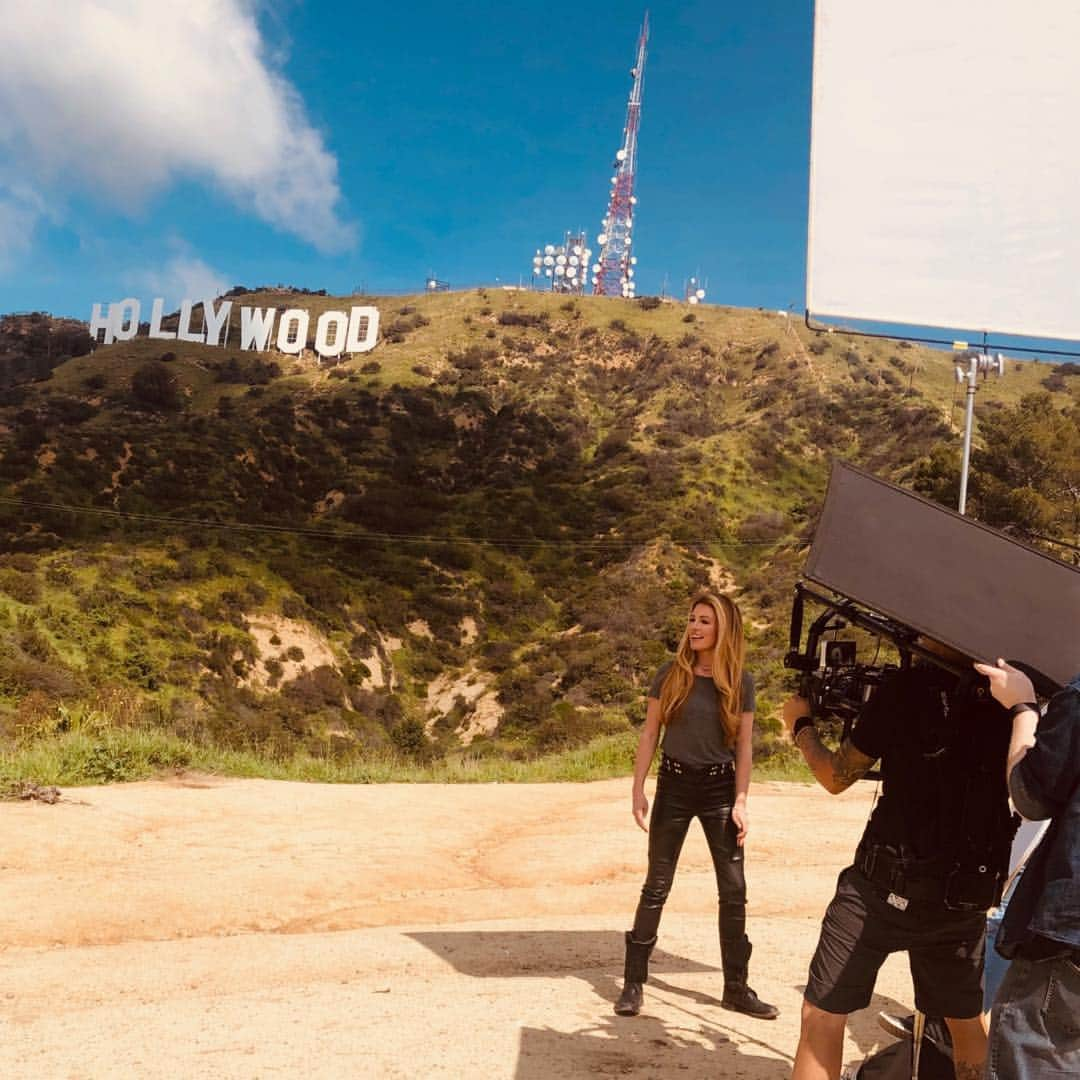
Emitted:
<point x="621" y="155"/>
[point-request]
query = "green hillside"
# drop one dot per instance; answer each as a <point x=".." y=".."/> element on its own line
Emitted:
<point x="477" y="539"/>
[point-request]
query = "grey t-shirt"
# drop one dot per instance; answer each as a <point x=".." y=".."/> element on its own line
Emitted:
<point x="695" y="736"/>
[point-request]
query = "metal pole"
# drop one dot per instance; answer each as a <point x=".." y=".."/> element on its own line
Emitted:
<point x="916" y="1042"/>
<point x="969" y="415"/>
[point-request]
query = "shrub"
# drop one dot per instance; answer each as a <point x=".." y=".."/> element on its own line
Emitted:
<point x="20" y="586"/>
<point x="110" y="763"/>
<point x="409" y="738"/>
<point x="763" y="525"/>
<point x="648" y="303"/>
<point x="523" y="318"/>
<point x="152" y="385"/>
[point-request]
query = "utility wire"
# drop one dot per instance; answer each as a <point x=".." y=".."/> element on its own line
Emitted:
<point x="596" y="543"/>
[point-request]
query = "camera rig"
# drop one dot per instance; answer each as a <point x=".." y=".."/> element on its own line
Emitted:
<point x="902" y="569"/>
<point x="833" y="680"/>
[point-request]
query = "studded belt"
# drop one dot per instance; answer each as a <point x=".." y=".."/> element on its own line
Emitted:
<point x="669" y="766"/>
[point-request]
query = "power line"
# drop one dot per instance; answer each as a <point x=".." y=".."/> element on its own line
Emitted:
<point x="598" y="543"/>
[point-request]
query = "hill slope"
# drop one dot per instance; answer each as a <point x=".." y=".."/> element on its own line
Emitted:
<point x="482" y="532"/>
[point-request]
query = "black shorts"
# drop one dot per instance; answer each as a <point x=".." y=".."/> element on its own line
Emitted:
<point x="945" y="951"/>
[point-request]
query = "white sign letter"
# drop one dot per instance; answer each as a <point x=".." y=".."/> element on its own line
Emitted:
<point x="339" y="321"/>
<point x="125" y="319"/>
<point x="155" y="320"/>
<point x="185" y="332"/>
<point x="292" y="331"/>
<point x="256" y="325"/>
<point x="99" y="322"/>
<point x="215" y="320"/>
<point x="363" y="329"/>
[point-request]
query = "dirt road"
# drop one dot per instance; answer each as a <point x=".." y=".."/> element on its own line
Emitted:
<point x="201" y="927"/>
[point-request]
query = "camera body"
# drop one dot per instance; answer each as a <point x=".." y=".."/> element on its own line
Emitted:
<point x="833" y="679"/>
<point x="840" y="686"/>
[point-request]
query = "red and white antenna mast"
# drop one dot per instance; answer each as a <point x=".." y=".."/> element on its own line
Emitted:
<point x="613" y="272"/>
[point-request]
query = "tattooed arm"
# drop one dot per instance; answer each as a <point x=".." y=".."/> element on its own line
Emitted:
<point x="835" y="770"/>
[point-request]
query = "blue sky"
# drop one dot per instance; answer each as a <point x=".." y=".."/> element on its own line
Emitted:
<point x="329" y="144"/>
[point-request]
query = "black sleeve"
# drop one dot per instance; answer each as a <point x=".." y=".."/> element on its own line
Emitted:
<point x="873" y="728"/>
<point x="1048" y="774"/>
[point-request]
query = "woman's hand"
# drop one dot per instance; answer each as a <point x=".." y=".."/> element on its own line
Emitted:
<point x="641" y="810"/>
<point x="1009" y="685"/>
<point x="742" y="821"/>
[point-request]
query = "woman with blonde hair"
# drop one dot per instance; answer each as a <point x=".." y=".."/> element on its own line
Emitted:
<point x="703" y="702"/>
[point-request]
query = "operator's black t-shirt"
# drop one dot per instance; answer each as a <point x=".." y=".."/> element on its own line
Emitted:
<point x="942" y="742"/>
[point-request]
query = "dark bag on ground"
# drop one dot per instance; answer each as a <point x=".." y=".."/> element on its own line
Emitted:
<point x="894" y="1063"/>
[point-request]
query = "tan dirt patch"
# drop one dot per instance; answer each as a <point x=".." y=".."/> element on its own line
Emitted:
<point x="203" y="928"/>
<point x="316" y="649"/>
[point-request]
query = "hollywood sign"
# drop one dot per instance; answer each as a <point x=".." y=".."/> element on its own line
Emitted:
<point x="336" y="332"/>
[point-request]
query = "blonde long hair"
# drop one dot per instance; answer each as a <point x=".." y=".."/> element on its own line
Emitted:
<point x="727" y="666"/>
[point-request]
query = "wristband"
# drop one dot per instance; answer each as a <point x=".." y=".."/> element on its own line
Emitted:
<point x="1023" y="706"/>
<point x="800" y="726"/>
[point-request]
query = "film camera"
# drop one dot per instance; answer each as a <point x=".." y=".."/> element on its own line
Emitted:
<point x="832" y="678"/>
<point x="902" y="568"/>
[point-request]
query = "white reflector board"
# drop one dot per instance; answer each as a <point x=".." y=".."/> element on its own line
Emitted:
<point x="944" y="165"/>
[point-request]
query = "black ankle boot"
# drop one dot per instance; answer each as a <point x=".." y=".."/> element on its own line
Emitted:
<point x="737" y="994"/>
<point x="740" y="998"/>
<point x="629" y="1003"/>
<point x="635" y="974"/>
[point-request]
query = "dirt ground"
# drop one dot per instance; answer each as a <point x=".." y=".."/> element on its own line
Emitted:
<point x="207" y="927"/>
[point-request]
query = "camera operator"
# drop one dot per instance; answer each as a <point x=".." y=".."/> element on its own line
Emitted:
<point x="1035" y="1021"/>
<point x="930" y="863"/>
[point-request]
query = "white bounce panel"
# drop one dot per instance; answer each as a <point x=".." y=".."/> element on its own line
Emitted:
<point x="945" y="167"/>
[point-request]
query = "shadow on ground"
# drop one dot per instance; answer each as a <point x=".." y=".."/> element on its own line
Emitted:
<point x="699" y="1042"/>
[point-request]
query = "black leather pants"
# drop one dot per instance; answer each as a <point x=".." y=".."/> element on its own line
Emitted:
<point x="680" y="798"/>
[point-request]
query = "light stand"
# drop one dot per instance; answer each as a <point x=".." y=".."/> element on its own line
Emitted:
<point x="985" y="363"/>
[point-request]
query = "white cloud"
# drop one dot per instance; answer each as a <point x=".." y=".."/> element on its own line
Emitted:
<point x="124" y="97"/>
<point x="184" y="277"/>
<point x="21" y="208"/>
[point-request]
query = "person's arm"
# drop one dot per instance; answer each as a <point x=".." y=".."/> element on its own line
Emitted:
<point x="1034" y="790"/>
<point x="834" y="770"/>
<point x="744" y="760"/>
<point x="646" y="748"/>
<point x="1011" y="689"/>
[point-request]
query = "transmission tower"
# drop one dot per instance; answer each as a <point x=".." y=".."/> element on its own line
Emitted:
<point x="613" y="272"/>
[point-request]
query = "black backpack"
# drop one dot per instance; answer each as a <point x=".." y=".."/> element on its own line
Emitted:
<point x="894" y="1063"/>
